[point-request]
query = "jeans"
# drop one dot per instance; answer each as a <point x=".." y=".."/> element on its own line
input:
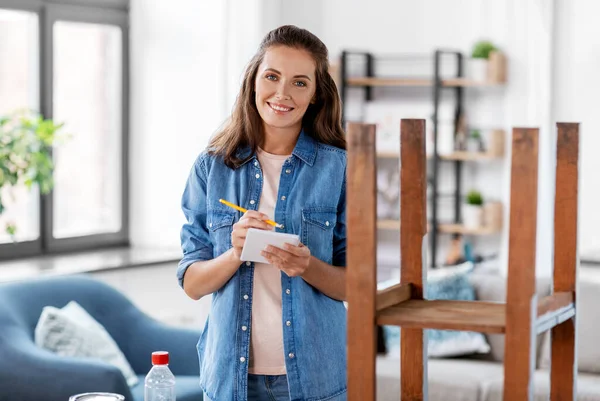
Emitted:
<point x="266" y="388"/>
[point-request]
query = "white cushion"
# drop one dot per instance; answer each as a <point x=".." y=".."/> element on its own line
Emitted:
<point x="71" y="331"/>
<point x="588" y="326"/>
<point x="588" y="387"/>
<point x="448" y="379"/>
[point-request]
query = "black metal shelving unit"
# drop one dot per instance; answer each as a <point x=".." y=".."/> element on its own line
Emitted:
<point x="437" y="85"/>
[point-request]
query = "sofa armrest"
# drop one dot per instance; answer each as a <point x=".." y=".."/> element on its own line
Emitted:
<point x="148" y="335"/>
<point x="55" y="377"/>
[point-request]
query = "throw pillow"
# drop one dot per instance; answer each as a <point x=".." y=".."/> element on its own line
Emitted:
<point x="452" y="283"/>
<point x="448" y="283"/>
<point x="71" y="331"/>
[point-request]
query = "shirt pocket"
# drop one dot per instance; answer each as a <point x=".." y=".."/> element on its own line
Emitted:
<point x="317" y="231"/>
<point x="220" y="225"/>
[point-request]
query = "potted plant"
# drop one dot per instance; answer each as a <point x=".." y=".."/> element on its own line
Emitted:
<point x="26" y="141"/>
<point x="473" y="210"/>
<point x="477" y="66"/>
<point x="475" y="143"/>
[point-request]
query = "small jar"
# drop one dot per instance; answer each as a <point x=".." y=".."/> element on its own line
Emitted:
<point x="97" y="397"/>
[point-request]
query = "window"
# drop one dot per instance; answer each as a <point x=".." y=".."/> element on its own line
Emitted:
<point x="76" y="75"/>
<point x="19" y="89"/>
<point x="87" y="93"/>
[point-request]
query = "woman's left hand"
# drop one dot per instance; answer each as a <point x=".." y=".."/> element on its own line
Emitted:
<point x="292" y="260"/>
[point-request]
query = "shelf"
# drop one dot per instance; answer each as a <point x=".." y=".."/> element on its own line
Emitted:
<point x="463" y="156"/>
<point x="388" y="155"/>
<point x="424" y="82"/>
<point x="478" y="316"/>
<point x="494" y="138"/>
<point x="470" y="156"/>
<point x="370" y="81"/>
<point x="389" y="224"/>
<point x="460" y="229"/>
<point x="465" y="82"/>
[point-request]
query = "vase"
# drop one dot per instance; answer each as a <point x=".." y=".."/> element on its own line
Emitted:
<point x="472" y="216"/>
<point x="477" y="69"/>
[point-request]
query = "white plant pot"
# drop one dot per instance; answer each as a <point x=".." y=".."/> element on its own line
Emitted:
<point x="472" y="145"/>
<point x="477" y="69"/>
<point x="472" y="216"/>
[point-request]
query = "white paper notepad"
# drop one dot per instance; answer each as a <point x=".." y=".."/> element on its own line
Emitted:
<point x="257" y="240"/>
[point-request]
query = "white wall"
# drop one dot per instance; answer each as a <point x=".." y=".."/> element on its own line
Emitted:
<point x="521" y="28"/>
<point x="576" y="88"/>
<point x="187" y="62"/>
<point x="177" y="101"/>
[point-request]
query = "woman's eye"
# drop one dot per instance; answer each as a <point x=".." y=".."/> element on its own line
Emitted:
<point x="300" y="83"/>
<point x="271" y="77"/>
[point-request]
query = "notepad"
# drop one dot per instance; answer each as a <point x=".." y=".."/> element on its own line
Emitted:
<point x="257" y="240"/>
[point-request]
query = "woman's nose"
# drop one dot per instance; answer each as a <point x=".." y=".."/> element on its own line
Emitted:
<point x="282" y="92"/>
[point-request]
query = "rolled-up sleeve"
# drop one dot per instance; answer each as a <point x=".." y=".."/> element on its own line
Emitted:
<point x="195" y="239"/>
<point x="339" y="233"/>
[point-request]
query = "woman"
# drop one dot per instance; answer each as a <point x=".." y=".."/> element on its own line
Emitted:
<point x="277" y="330"/>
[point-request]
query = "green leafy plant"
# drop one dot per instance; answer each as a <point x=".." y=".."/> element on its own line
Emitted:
<point x="26" y="141"/>
<point x="476" y="134"/>
<point x="482" y="49"/>
<point x="474" y="198"/>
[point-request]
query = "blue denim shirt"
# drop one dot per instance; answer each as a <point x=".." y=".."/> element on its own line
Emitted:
<point x="311" y="203"/>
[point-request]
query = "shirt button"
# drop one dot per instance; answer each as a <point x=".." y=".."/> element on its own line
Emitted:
<point x="287" y="171"/>
<point x="291" y="355"/>
<point x="288" y="323"/>
<point x="244" y="328"/>
<point x="252" y="202"/>
<point x="210" y="224"/>
<point x="245" y="296"/>
<point x="248" y="263"/>
<point x="283" y="198"/>
<point x="242" y="359"/>
<point x="327" y="223"/>
<point x="257" y="175"/>
<point x="255" y="163"/>
<point x="288" y="291"/>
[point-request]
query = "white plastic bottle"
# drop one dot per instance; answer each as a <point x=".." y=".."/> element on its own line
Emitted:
<point x="160" y="381"/>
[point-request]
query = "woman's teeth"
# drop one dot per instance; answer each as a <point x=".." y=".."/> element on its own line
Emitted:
<point x="279" y="108"/>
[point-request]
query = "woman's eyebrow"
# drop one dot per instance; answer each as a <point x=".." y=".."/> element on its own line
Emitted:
<point x="295" y="76"/>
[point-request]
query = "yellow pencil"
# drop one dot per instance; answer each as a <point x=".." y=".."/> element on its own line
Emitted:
<point x="241" y="209"/>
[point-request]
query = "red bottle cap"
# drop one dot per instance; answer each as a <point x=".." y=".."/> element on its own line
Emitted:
<point x="160" y="358"/>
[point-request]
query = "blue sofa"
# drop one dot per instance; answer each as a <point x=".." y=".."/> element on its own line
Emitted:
<point x="29" y="373"/>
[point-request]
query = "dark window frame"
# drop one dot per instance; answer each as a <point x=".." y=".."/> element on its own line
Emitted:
<point x="106" y="12"/>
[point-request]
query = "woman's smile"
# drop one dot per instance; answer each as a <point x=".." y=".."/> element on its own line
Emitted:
<point x="279" y="108"/>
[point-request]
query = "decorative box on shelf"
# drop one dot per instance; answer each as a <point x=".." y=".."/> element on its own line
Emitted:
<point x="490" y="71"/>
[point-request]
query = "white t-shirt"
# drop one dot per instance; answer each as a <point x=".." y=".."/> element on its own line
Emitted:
<point x="266" y="337"/>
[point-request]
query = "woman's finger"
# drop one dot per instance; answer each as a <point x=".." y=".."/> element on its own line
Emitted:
<point x="274" y="259"/>
<point x="300" y="250"/>
<point x="254" y="215"/>
<point x="255" y="223"/>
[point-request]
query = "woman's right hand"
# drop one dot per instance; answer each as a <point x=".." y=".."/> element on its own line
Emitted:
<point x="250" y="219"/>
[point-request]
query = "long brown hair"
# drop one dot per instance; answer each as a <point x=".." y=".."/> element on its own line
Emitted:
<point x="322" y="119"/>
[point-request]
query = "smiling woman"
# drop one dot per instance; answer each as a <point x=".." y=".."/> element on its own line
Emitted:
<point x="288" y="78"/>
<point x="282" y="157"/>
<point x="283" y="95"/>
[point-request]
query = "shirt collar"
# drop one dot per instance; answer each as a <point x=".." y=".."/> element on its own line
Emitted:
<point x="305" y="150"/>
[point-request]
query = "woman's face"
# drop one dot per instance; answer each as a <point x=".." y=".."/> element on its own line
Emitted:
<point x="285" y="86"/>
